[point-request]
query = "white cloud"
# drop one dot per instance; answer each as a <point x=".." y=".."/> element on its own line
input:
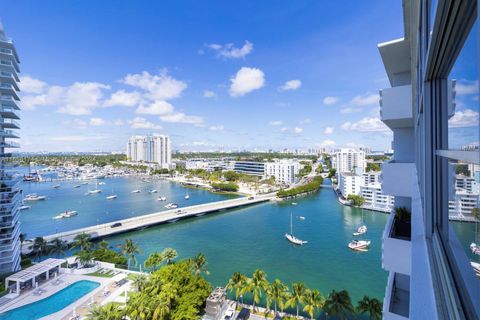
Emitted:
<point x="366" y="99"/>
<point x="328" y="130"/>
<point x="180" y="117"/>
<point x="328" y="143"/>
<point x="216" y="128"/>
<point x="291" y="85"/>
<point x="366" y="125"/>
<point x="97" y="122"/>
<point x="123" y="98"/>
<point x="246" y="80"/>
<point x="230" y="52"/>
<point x="209" y="94"/>
<point x="306" y="121"/>
<point x="284" y="129"/>
<point x="348" y="110"/>
<point x="330" y="100"/>
<point x="276" y="123"/>
<point x="142" y="123"/>
<point x="465" y="118"/>
<point x="466" y="87"/>
<point x="298" y="130"/>
<point x="157" y="87"/>
<point x="118" y="123"/>
<point x="78" y="123"/>
<point x="31" y="85"/>
<point x="156" y="108"/>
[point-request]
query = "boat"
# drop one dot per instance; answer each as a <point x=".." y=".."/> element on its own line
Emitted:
<point x="290" y="237"/>
<point x="24" y="207"/>
<point x="76" y="186"/>
<point x="96" y="190"/>
<point x="301" y="217"/>
<point x="56" y="186"/>
<point x="101" y="183"/>
<point x="294" y="203"/>
<point x="162" y="198"/>
<point x="34" y="197"/>
<point x="111" y="197"/>
<point x="84" y="183"/>
<point x="187" y="196"/>
<point x="362" y="229"/>
<point x="153" y="191"/>
<point x="359" y="244"/>
<point x="66" y="214"/>
<point x="476" y="267"/>
<point x="475" y="248"/>
<point x="136" y="191"/>
<point x="171" y="206"/>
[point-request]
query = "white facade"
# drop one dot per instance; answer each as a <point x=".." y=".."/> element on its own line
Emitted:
<point x="375" y="199"/>
<point x="152" y="149"/>
<point x="285" y="171"/>
<point x="349" y="183"/>
<point x="371" y="177"/>
<point x="349" y="160"/>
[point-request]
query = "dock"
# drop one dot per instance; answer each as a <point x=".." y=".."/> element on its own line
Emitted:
<point x="166" y="216"/>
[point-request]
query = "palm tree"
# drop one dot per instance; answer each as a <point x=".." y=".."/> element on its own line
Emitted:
<point x="339" y="304"/>
<point x="109" y="311"/>
<point x="277" y="290"/>
<point x="237" y="282"/>
<point x="153" y="261"/>
<point x="476" y="217"/>
<point x="313" y="300"/>
<point x="139" y="281"/>
<point x="103" y="245"/>
<point x="371" y="306"/>
<point x="199" y="264"/>
<point x="256" y="285"/>
<point x="169" y="255"/>
<point x="82" y="241"/>
<point x="129" y="248"/>
<point x="57" y="246"/>
<point x="84" y="257"/>
<point x="298" y="295"/>
<point x="40" y="246"/>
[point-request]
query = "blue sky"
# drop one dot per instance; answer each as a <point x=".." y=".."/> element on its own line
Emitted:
<point x="211" y="74"/>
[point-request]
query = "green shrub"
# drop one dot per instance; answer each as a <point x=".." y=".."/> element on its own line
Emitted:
<point x="313" y="185"/>
<point x="229" y="187"/>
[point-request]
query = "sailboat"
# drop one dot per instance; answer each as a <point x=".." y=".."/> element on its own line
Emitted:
<point x="111" y="197"/>
<point x="362" y="229"/>
<point x="290" y="237"/>
<point x="136" y="186"/>
<point x="187" y="196"/>
<point x="96" y="190"/>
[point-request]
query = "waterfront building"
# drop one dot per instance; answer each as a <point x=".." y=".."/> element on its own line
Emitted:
<point x="375" y="199"/>
<point x="255" y="168"/>
<point x="349" y="184"/>
<point x="152" y="149"/>
<point x="285" y="171"/>
<point x="10" y="192"/>
<point x="349" y="160"/>
<point x="371" y="177"/>
<point x="431" y="275"/>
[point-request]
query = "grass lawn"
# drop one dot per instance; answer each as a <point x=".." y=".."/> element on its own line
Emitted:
<point x="102" y="275"/>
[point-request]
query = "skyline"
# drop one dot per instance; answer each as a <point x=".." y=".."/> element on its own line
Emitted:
<point x="198" y="72"/>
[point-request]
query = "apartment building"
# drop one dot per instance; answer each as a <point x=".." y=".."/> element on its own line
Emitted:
<point x="432" y="274"/>
<point x="151" y="149"/>
<point x="285" y="171"/>
<point x="349" y="183"/>
<point x="10" y="193"/>
<point x="349" y="160"/>
<point x="374" y="197"/>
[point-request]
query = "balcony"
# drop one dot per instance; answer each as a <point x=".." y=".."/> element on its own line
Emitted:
<point x="398" y="178"/>
<point x="7" y="77"/>
<point x="8" y="134"/>
<point x="396" y="304"/>
<point x="9" y="113"/>
<point x="9" y="144"/>
<point x="9" y="124"/>
<point x="7" y="101"/>
<point x="396" y="249"/>
<point x="8" y="89"/>
<point x="396" y="107"/>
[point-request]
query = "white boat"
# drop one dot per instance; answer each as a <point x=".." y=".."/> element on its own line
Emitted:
<point x="66" y="214"/>
<point x="24" y="207"/>
<point x="101" y="183"/>
<point x="162" y="199"/>
<point x="476" y="267"/>
<point x="136" y="191"/>
<point x="475" y="248"/>
<point x="96" y="190"/>
<point x="187" y="196"/>
<point x="56" y="186"/>
<point x="153" y="191"/>
<point x="111" y="197"/>
<point x="84" y="183"/>
<point x="359" y="244"/>
<point x="76" y="186"/>
<point x="34" y="197"/>
<point x="290" y="237"/>
<point x="301" y="217"/>
<point x="360" y="230"/>
<point x="294" y="203"/>
<point x="171" y="206"/>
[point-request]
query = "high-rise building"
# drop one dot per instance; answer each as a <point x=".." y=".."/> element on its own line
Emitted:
<point x="150" y="149"/>
<point x="433" y="271"/>
<point x="10" y="193"/>
<point x="349" y="160"/>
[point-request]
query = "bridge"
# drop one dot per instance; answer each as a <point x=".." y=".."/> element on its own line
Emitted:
<point x="167" y="216"/>
<point x="326" y="186"/>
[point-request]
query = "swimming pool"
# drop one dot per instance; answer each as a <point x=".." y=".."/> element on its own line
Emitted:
<point x="51" y="304"/>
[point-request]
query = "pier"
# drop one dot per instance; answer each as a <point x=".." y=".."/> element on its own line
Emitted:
<point x="166" y="216"/>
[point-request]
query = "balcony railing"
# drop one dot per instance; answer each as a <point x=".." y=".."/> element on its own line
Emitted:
<point x="396" y="250"/>
<point x="396" y="305"/>
<point x="9" y="123"/>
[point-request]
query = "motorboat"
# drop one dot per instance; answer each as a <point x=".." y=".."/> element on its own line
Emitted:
<point x="294" y="203"/>
<point x="475" y="248"/>
<point x="162" y="198"/>
<point x="360" y="230"/>
<point x="290" y="237"/>
<point x="34" y="197"/>
<point x="187" y="197"/>
<point x="76" y="186"/>
<point x="136" y="191"/>
<point x="171" y="206"/>
<point x="359" y="244"/>
<point x="66" y="214"/>
<point x="153" y="191"/>
<point x="101" y="183"/>
<point x="24" y="207"/>
<point x="301" y="217"/>
<point x="56" y="186"/>
<point x="111" y="197"/>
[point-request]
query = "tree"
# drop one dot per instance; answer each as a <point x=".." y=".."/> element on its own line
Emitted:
<point x="298" y="295"/>
<point x="199" y="264"/>
<point x="256" y="285"/>
<point x="371" y="306"/>
<point x="356" y="200"/>
<point x="277" y="290"/>
<point x="313" y="301"/>
<point x="57" y="246"/>
<point x="110" y="311"/>
<point x="372" y="166"/>
<point x="84" y="257"/>
<point x="39" y="247"/>
<point x="230" y="175"/>
<point x="103" y="245"/>
<point x="339" y="304"/>
<point x="129" y="249"/>
<point x="139" y="281"/>
<point x="476" y="217"/>
<point x="169" y="254"/>
<point x="237" y="282"/>
<point x="82" y="241"/>
<point x="153" y="261"/>
<point x="331" y="172"/>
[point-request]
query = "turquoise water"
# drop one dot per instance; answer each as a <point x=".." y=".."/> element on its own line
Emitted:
<point x="95" y="209"/>
<point x="52" y="304"/>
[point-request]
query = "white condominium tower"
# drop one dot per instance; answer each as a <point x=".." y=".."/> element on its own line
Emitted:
<point x="10" y="193"/>
<point x="152" y="149"/>
<point x="349" y="160"/>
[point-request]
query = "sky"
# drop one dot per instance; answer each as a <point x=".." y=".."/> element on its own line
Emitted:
<point x="214" y="75"/>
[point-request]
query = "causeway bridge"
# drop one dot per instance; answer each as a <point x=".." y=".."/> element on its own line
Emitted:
<point x="152" y="219"/>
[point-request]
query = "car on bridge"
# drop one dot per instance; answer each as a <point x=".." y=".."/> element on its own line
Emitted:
<point x="116" y="225"/>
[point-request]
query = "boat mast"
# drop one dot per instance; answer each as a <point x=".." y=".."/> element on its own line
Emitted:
<point x="291" y="227"/>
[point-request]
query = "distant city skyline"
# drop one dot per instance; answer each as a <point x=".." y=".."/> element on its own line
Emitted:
<point x="282" y="78"/>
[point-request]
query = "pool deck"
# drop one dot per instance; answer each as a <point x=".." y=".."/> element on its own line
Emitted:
<point x="81" y="306"/>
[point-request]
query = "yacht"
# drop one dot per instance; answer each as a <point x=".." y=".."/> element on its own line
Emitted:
<point x="34" y="197"/>
<point x="136" y="191"/>
<point x="24" y="207"/>
<point x="153" y="191"/>
<point x="76" y="186"/>
<point x="56" y="186"/>
<point x="111" y="197"/>
<point x="475" y="248"/>
<point x="66" y="214"/>
<point x="171" y="206"/>
<point x="301" y="217"/>
<point x="359" y="244"/>
<point x="101" y="183"/>
<point x="360" y="230"/>
<point x="96" y="190"/>
<point x="162" y="198"/>
<point x="290" y="237"/>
